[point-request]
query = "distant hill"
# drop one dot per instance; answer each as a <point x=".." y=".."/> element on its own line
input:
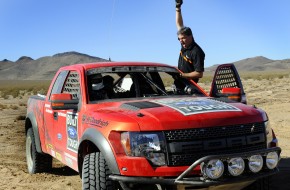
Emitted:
<point x="5" y="64"/>
<point x="258" y="64"/>
<point x="44" y="68"/>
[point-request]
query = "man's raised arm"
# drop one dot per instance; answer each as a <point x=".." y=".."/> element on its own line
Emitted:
<point x="179" y="20"/>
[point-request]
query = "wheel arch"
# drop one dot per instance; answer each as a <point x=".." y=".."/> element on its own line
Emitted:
<point x="93" y="141"/>
<point x="30" y="122"/>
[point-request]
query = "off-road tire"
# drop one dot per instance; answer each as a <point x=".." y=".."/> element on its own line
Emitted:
<point x="36" y="162"/>
<point x="95" y="173"/>
<point x="260" y="184"/>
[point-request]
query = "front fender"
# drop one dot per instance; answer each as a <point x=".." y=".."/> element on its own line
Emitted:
<point x="103" y="145"/>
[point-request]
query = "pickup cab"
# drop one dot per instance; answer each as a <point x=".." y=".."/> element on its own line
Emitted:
<point x="139" y="125"/>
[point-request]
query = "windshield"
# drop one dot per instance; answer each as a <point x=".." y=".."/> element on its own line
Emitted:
<point x="137" y="82"/>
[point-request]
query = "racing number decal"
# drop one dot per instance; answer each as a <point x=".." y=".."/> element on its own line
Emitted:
<point x="72" y="131"/>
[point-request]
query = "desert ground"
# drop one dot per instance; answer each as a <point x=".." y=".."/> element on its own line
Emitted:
<point x="272" y="95"/>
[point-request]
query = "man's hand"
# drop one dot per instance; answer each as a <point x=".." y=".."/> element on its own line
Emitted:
<point x="178" y="3"/>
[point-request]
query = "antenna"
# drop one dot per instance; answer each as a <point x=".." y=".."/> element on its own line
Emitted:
<point x="110" y="29"/>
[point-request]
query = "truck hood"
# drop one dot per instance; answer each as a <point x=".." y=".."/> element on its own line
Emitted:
<point x="188" y="112"/>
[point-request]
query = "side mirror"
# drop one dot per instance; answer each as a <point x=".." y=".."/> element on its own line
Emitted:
<point x="232" y="94"/>
<point x="63" y="102"/>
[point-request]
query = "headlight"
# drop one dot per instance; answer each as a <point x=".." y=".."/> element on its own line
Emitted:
<point x="236" y="166"/>
<point x="272" y="160"/>
<point x="213" y="169"/>
<point x="255" y="163"/>
<point x="148" y="145"/>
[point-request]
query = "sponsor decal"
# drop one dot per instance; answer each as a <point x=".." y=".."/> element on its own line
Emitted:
<point x="58" y="156"/>
<point x="190" y="106"/>
<point x="61" y="114"/>
<point x="70" y="156"/>
<point x="59" y="136"/>
<point x="69" y="159"/>
<point x="95" y="122"/>
<point x="72" y="131"/>
<point x="48" y="110"/>
<point x="50" y="147"/>
<point x="52" y="152"/>
<point x="47" y="105"/>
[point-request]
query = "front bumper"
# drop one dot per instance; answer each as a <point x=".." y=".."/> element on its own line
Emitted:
<point x="200" y="181"/>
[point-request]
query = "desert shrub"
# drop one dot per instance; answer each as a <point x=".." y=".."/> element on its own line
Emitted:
<point x="20" y="88"/>
<point x="20" y="117"/>
<point x="206" y="79"/>
<point x="22" y="104"/>
<point x="30" y="89"/>
<point x="14" y="92"/>
<point x="261" y="75"/>
<point x="34" y="91"/>
<point x="39" y="91"/>
<point x="2" y="107"/>
<point x="14" y="107"/>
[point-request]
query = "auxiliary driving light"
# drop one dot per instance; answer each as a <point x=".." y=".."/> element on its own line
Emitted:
<point x="272" y="159"/>
<point x="236" y="166"/>
<point x="255" y="163"/>
<point x="213" y="169"/>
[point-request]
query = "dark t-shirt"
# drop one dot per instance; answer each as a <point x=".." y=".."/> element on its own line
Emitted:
<point x="191" y="59"/>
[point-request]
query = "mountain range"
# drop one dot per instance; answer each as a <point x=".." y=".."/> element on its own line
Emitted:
<point x="44" y="68"/>
<point x="258" y="63"/>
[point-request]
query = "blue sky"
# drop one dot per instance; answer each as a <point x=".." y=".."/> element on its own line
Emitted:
<point x="144" y="30"/>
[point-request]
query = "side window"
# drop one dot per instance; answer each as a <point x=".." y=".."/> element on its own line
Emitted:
<point x="72" y="85"/>
<point x="58" y="84"/>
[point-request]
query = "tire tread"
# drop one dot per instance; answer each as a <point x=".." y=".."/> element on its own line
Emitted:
<point x="95" y="173"/>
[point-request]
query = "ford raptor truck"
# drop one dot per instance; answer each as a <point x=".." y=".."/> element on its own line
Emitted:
<point x="138" y="125"/>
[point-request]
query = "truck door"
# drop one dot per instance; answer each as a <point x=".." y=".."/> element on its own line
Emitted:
<point x="64" y="131"/>
<point x="50" y="115"/>
<point x="227" y="83"/>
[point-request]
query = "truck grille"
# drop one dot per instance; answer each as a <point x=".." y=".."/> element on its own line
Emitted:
<point x="186" y="146"/>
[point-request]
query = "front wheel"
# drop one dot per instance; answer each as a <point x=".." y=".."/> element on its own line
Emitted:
<point x="95" y="173"/>
<point x="36" y="162"/>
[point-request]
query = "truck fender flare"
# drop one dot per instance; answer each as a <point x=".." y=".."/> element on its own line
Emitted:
<point x="30" y="116"/>
<point x="103" y="145"/>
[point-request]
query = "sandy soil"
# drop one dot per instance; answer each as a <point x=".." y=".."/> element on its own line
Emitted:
<point x="272" y="96"/>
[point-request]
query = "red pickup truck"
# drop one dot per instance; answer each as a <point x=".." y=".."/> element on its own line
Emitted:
<point x="136" y="125"/>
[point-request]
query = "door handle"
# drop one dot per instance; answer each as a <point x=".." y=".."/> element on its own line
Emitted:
<point x="55" y="115"/>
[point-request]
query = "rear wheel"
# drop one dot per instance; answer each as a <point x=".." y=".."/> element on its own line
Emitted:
<point x="95" y="173"/>
<point x="36" y="162"/>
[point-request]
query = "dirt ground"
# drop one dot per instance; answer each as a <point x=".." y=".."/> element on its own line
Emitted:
<point x="272" y="96"/>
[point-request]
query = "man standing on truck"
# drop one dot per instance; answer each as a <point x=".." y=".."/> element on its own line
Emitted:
<point x="191" y="58"/>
